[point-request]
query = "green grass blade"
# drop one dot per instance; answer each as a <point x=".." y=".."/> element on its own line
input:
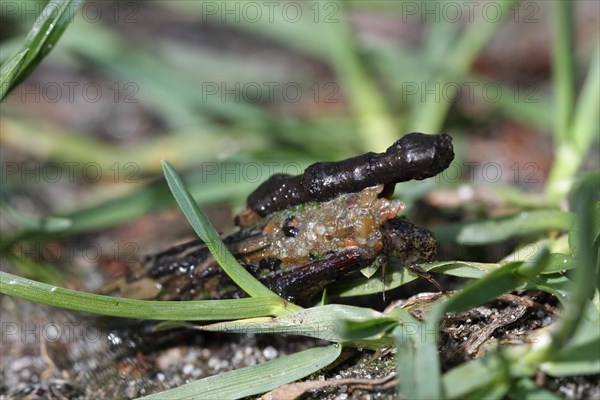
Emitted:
<point x="418" y="364"/>
<point x="504" y="279"/>
<point x="419" y="340"/>
<point x="585" y="122"/>
<point x="497" y="230"/>
<point x="562" y="67"/>
<point x="255" y="379"/>
<point x="43" y="272"/>
<point x="45" y="33"/>
<point x="10" y="71"/>
<point x="573" y="144"/>
<point x="150" y="197"/>
<point x="326" y="322"/>
<point x="430" y="115"/>
<point x="209" y="235"/>
<point x="375" y="126"/>
<point x="48" y="224"/>
<point x="526" y="389"/>
<point x="206" y="310"/>
<point x="478" y="374"/>
<point x="397" y="275"/>
<point x="586" y="274"/>
<point x="576" y="360"/>
<point x="300" y="35"/>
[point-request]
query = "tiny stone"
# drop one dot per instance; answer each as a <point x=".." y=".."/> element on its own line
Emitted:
<point x="269" y="353"/>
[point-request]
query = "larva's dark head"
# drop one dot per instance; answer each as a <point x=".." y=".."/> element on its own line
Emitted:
<point x="420" y="156"/>
<point x="410" y="243"/>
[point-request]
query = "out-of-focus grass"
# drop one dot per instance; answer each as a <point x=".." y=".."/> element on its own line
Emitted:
<point x="41" y="39"/>
<point x="576" y="121"/>
<point x="172" y="76"/>
<point x="175" y="92"/>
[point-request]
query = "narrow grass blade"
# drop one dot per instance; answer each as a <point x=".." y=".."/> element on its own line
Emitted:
<point x="560" y="260"/>
<point x="396" y="275"/>
<point x="555" y="284"/>
<point x="430" y="115"/>
<point x="326" y="322"/>
<point x="582" y="359"/>
<point x="367" y="330"/>
<point x="48" y="224"/>
<point x="300" y="35"/>
<point x="421" y="338"/>
<point x="526" y="389"/>
<point x="149" y="197"/>
<point x="209" y="235"/>
<point x="418" y="364"/>
<point x="563" y="67"/>
<point x="573" y="144"/>
<point x="478" y="375"/>
<point x="206" y="310"/>
<point x="255" y="379"/>
<point x="584" y="123"/>
<point x="10" y="71"/>
<point x="45" y="33"/>
<point x="586" y="274"/>
<point x="497" y="230"/>
<point x="375" y="124"/>
<point x="506" y="278"/>
<point x="43" y="272"/>
<point x="550" y="352"/>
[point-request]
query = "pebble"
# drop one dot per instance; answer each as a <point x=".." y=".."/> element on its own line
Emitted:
<point x="270" y="353"/>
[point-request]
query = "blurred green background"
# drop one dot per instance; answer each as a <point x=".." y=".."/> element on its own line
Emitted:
<point x="231" y="92"/>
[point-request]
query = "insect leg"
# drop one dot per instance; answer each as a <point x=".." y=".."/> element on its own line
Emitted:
<point x="416" y="270"/>
<point x="382" y="260"/>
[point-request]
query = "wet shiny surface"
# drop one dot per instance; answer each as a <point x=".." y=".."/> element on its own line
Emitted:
<point x="414" y="156"/>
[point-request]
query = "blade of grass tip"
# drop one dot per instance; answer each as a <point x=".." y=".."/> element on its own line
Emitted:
<point x="209" y="235"/>
<point x="256" y="379"/>
<point x="45" y="33"/>
<point x="9" y="72"/>
<point x="205" y="310"/>
<point x="503" y="280"/>
<point x="10" y="47"/>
